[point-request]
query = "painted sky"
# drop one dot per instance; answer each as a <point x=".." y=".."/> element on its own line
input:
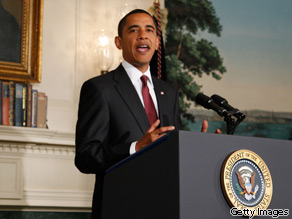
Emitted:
<point x="256" y="45"/>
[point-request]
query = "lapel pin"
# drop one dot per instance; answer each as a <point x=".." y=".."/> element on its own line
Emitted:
<point x="161" y="92"/>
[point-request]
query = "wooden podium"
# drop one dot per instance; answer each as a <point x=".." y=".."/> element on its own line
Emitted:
<point x="178" y="177"/>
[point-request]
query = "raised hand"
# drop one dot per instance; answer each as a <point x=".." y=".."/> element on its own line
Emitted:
<point x="152" y="134"/>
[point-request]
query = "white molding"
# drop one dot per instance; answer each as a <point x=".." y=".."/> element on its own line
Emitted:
<point x="36" y="135"/>
<point x="38" y="150"/>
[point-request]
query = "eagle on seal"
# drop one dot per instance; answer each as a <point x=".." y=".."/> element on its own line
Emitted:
<point x="246" y="179"/>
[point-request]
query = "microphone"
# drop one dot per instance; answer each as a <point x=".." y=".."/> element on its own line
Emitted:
<point x="224" y="103"/>
<point x="209" y="103"/>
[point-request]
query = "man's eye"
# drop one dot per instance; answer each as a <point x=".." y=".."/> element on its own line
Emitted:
<point x="133" y="30"/>
<point x="150" y="30"/>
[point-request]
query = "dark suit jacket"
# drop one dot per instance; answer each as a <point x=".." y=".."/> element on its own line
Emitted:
<point x="111" y="117"/>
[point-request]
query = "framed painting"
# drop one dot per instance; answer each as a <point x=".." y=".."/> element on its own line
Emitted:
<point x="21" y="40"/>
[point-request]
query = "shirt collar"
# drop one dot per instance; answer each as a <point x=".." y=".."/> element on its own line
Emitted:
<point x="134" y="74"/>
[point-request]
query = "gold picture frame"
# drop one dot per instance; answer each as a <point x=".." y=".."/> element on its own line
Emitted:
<point x="20" y="53"/>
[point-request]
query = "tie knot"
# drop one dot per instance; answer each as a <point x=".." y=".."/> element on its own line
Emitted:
<point x="144" y="79"/>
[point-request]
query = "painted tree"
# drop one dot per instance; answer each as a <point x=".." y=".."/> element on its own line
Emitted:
<point x="187" y="56"/>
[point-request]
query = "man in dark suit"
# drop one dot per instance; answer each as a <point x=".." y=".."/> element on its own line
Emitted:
<point x="112" y="121"/>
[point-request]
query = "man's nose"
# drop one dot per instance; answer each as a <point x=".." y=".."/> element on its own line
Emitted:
<point x="143" y="34"/>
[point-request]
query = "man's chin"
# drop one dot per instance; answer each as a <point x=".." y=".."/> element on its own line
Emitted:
<point x="141" y="64"/>
<point x="143" y="58"/>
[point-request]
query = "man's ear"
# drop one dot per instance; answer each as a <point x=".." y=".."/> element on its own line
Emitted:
<point x="118" y="42"/>
<point x="157" y="42"/>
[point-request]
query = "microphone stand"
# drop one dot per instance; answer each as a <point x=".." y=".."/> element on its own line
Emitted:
<point x="231" y="123"/>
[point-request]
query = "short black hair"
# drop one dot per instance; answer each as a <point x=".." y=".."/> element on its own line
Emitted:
<point x="122" y="22"/>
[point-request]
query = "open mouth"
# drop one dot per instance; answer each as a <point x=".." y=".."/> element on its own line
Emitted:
<point x="143" y="48"/>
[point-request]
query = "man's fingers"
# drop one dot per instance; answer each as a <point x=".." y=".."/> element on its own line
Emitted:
<point x="160" y="136"/>
<point x="164" y="129"/>
<point x="204" y="126"/>
<point x="152" y="134"/>
<point x="154" y="126"/>
<point x="218" y="131"/>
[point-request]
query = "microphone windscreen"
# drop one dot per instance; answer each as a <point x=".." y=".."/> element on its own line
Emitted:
<point x="203" y="100"/>
<point x="219" y="100"/>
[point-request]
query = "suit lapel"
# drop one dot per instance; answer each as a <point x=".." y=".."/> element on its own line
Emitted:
<point x="129" y="94"/>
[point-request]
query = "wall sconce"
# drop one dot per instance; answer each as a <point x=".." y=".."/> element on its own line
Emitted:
<point x="103" y="51"/>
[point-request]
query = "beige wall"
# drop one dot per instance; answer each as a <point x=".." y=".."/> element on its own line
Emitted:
<point x="67" y="59"/>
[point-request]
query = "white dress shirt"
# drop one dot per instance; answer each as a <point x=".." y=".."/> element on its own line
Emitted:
<point x="135" y="75"/>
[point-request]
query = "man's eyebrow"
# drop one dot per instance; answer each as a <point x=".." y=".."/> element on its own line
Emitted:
<point x="135" y="26"/>
<point x="150" y="26"/>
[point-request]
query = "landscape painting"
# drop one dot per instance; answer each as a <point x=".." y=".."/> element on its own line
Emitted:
<point x="240" y="50"/>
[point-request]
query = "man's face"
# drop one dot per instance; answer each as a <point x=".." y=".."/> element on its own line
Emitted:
<point x="139" y="40"/>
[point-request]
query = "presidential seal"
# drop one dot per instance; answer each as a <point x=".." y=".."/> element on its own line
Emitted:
<point x="246" y="181"/>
